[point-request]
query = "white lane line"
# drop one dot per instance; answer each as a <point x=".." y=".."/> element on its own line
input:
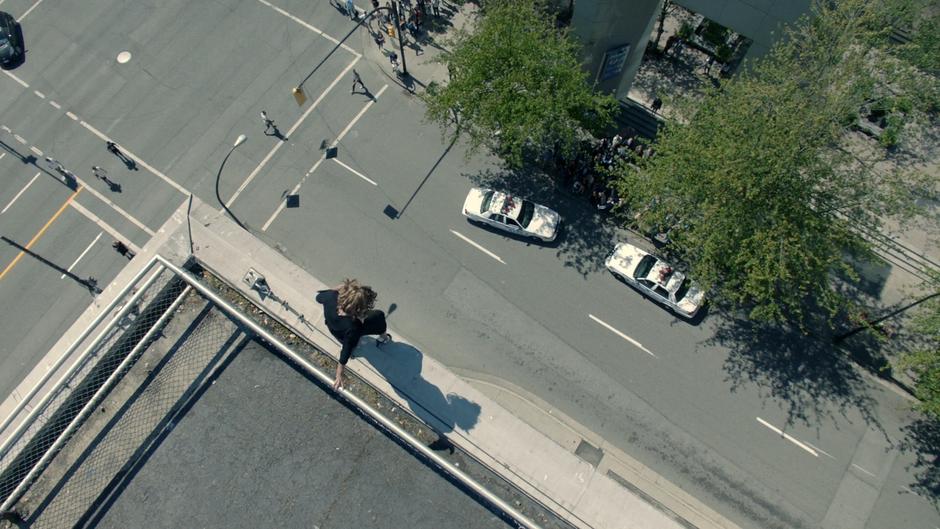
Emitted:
<point x="2" y="154"/>
<point x="117" y="208"/>
<point x="28" y="11"/>
<point x="622" y="335"/>
<point x="359" y="115"/>
<point x="35" y="150"/>
<point x="355" y="172"/>
<point x="283" y="203"/>
<point x="172" y="183"/>
<point x="55" y="105"/>
<point x="6" y="129"/>
<point x="863" y="470"/>
<point x="310" y="27"/>
<point x="477" y="246"/>
<point x="788" y="437"/>
<point x="104" y="225"/>
<point x="20" y="139"/>
<point x="40" y="94"/>
<point x="20" y="193"/>
<point x="279" y="144"/>
<point x="98" y="133"/>
<point x="15" y="78"/>
<point x="820" y="450"/>
<point x="71" y="266"/>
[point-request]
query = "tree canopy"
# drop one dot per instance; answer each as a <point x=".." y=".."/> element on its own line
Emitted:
<point x="761" y="186"/>
<point x="516" y="84"/>
<point x="924" y="361"/>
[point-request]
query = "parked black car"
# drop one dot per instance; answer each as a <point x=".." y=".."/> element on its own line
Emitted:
<point x="11" y="41"/>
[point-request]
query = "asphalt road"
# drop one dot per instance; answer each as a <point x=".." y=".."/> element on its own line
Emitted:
<point x="704" y="405"/>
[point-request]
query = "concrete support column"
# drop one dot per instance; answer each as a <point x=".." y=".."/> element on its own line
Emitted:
<point x="603" y="25"/>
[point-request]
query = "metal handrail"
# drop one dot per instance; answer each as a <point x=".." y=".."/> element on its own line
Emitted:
<point x="38" y="408"/>
<point x="417" y="445"/>
<point x="92" y="403"/>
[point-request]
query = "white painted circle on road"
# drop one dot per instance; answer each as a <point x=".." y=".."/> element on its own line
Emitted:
<point x="123" y="57"/>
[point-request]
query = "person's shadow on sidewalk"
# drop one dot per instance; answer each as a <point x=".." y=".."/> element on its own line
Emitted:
<point x="400" y="364"/>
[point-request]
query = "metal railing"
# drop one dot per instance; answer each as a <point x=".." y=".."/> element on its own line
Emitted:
<point x="51" y="421"/>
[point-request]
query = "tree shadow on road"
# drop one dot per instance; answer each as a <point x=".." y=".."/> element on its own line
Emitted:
<point x="802" y="371"/>
<point x="922" y="438"/>
<point x="587" y="236"/>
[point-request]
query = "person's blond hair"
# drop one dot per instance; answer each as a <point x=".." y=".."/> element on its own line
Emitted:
<point x="355" y="298"/>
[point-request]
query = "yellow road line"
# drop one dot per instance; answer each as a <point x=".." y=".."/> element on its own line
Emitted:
<point x="39" y="234"/>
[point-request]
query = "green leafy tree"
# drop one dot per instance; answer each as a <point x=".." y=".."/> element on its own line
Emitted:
<point x="516" y="85"/>
<point x="924" y="362"/>
<point x="759" y="186"/>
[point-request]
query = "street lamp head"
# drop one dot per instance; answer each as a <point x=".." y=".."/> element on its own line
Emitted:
<point x="240" y="140"/>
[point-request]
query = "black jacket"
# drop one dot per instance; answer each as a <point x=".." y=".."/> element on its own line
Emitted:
<point x="346" y="329"/>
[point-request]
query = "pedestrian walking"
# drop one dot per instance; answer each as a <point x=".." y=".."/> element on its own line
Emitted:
<point x="122" y="249"/>
<point x="412" y="27"/>
<point x="357" y="81"/>
<point x="115" y="150"/>
<point x="351" y="10"/>
<point x="349" y="315"/>
<point x="102" y="175"/>
<point x="268" y="122"/>
<point x="393" y="58"/>
<point x="436" y="7"/>
<point x="380" y="39"/>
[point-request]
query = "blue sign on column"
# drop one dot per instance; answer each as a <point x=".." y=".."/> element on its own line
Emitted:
<point x="614" y="60"/>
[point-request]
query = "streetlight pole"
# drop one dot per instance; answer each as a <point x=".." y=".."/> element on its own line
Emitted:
<point x="238" y="141"/>
<point x="401" y="38"/>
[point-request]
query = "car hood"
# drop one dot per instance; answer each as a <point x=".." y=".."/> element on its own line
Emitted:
<point x="474" y="200"/>
<point x="544" y="222"/>
<point x="625" y="259"/>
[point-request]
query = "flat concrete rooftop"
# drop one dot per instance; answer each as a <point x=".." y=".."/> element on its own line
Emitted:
<point x="264" y="446"/>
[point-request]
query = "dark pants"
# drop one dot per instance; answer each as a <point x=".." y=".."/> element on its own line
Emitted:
<point x="374" y="322"/>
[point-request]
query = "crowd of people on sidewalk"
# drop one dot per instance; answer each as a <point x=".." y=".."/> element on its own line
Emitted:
<point x="588" y="172"/>
<point x="412" y="14"/>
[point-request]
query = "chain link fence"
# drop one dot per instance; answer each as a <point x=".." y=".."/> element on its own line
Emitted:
<point x="135" y="322"/>
<point x="103" y="456"/>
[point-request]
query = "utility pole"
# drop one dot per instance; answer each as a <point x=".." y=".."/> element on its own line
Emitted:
<point x="401" y="36"/>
